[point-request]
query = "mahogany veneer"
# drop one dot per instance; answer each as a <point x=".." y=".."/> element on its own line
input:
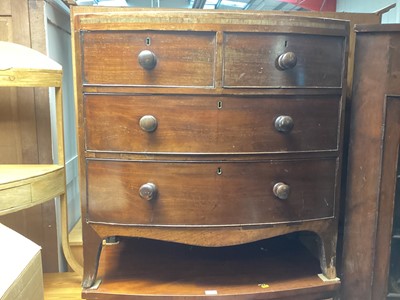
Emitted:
<point x="208" y="129"/>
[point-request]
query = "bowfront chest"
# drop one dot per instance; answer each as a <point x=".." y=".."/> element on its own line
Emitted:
<point x="208" y="128"/>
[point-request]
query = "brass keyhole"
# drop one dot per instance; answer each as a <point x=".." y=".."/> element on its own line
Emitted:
<point x="219" y="171"/>
<point x="219" y="104"/>
<point x="148" y="41"/>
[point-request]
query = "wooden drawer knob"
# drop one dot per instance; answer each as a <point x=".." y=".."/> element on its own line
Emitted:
<point x="147" y="59"/>
<point x="284" y="124"/>
<point x="281" y="190"/>
<point x="148" y="191"/>
<point x="148" y="123"/>
<point x="286" y="61"/>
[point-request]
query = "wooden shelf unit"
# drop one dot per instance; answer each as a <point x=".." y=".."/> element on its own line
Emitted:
<point x="23" y="186"/>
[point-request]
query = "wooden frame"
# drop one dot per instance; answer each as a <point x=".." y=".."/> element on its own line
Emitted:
<point x="373" y="155"/>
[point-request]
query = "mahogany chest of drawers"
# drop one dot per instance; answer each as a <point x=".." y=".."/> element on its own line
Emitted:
<point x="208" y="128"/>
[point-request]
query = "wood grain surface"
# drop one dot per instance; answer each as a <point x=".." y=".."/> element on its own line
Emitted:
<point x="212" y="151"/>
<point x="279" y="268"/>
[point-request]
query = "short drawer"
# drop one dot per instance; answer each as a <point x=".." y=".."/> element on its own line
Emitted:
<point x="194" y="124"/>
<point x="210" y="193"/>
<point x="263" y="60"/>
<point x="140" y="58"/>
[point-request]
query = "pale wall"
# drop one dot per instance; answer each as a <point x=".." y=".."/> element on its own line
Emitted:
<point x="368" y="6"/>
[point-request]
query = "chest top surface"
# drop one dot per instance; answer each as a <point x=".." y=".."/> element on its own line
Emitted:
<point x="208" y="50"/>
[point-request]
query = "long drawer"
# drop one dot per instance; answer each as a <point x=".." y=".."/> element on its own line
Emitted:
<point x="201" y="124"/>
<point x="262" y="60"/>
<point x="148" y="58"/>
<point x="210" y="193"/>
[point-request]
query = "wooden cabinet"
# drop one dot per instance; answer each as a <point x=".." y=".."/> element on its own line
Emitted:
<point x="373" y="156"/>
<point x="209" y="130"/>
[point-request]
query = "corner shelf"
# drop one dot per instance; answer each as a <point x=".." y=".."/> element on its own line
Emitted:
<point x="21" y="185"/>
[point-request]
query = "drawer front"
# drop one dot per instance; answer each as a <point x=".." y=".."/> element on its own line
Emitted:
<point x="148" y="58"/>
<point x="193" y="124"/>
<point x="256" y="60"/>
<point x="209" y="193"/>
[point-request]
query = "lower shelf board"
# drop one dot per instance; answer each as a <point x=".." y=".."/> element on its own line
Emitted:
<point x="24" y="186"/>
<point x="277" y="268"/>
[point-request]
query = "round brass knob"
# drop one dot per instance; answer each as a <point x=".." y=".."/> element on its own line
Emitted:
<point x="148" y="123"/>
<point x="286" y="61"/>
<point x="281" y="190"/>
<point x="147" y="59"/>
<point x="284" y="124"/>
<point x="148" y="191"/>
